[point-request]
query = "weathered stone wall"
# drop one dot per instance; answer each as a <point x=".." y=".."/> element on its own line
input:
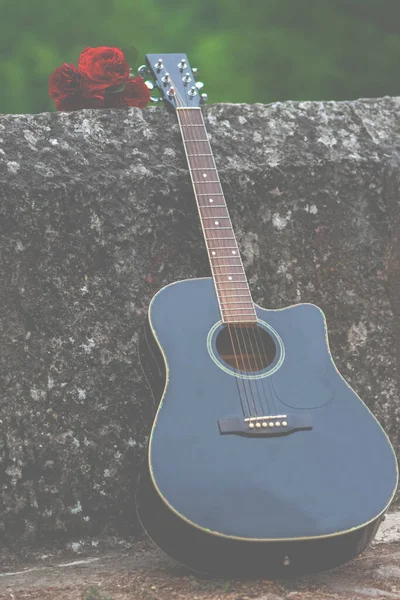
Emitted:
<point x="97" y="214"/>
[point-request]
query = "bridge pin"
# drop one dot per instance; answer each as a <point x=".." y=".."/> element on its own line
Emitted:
<point x="258" y="424"/>
<point x="265" y="424"/>
<point x="251" y="425"/>
<point x="284" y="423"/>
<point x="277" y="423"/>
<point x="271" y="424"/>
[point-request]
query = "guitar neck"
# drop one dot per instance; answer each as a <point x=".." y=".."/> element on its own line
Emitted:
<point x="231" y="286"/>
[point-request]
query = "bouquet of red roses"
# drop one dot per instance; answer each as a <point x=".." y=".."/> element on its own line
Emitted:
<point x="101" y="80"/>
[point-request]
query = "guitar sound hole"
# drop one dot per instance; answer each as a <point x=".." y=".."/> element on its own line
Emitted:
<point x="246" y="348"/>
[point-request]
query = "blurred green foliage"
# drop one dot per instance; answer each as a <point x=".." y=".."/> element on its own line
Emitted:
<point x="246" y="50"/>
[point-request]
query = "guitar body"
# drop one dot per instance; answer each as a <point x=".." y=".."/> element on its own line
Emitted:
<point x="224" y="497"/>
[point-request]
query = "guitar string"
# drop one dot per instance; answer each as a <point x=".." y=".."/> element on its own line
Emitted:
<point x="235" y="353"/>
<point x="246" y="364"/>
<point x="253" y="333"/>
<point x="254" y="330"/>
<point x="239" y="330"/>
<point x="233" y="344"/>
<point x="246" y="355"/>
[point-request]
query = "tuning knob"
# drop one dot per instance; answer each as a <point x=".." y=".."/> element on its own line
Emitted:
<point x="149" y="84"/>
<point x="195" y="70"/>
<point x="199" y="84"/>
<point x="155" y="99"/>
<point x="142" y="70"/>
<point x="203" y="98"/>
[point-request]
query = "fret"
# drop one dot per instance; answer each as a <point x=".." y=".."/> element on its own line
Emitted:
<point x="231" y="273"/>
<point x="235" y="309"/>
<point x="211" y="193"/>
<point x="222" y="275"/>
<point x="194" y="125"/>
<point x="230" y="287"/>
<point x="226" y="266"/>
<point x="196" y="146"/>
<point x="215" y="257"/>
<point x="212" y="206"/>
<point x="244" y="319"/>
<point x="213" y="228"/>
<point x="203" y="169"/>
<point x="220" y="247"/>
<point x="239" y="301"/>
<point x="238" y="296"/>
<point x="208" y="154"/>
<point x="219" y="281"/>
<point x="208" y="189"/>
<point x="219" y="276"/>
<point x="201" y="161"/>
<point x="215" y="217"/>
<point x="201" y="181"/>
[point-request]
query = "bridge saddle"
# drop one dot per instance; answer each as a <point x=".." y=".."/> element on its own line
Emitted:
<point x="267" y="425"/>
<point x="267" y="421"/>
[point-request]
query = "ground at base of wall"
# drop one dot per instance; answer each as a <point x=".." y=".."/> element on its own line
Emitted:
<point x="117" y="570"/>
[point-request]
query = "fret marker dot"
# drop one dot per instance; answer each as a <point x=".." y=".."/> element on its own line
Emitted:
<point x="233" y="251"/>
<point x="213" y="253"/>
<point x="211" y="200"/>
<point x="204" y="174"/>
<point x="230" y="278"/>
<point x="216" y="222"/>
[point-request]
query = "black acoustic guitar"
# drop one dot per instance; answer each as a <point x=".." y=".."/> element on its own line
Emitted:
<point x="262" y="460"/>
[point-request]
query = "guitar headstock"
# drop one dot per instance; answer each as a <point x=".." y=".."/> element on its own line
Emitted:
<point x="174" y="79"/>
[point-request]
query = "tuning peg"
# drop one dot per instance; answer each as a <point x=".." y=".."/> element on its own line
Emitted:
<point x="203" y="98"/>
<point x="155" y="99"/>
<point x="142" y="70"/>
<point x="149" y="84"/>
<point x="199" y="85"/>
<point x="195" y="70"/>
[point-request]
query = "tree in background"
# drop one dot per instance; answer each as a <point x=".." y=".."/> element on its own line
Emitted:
<point x="246" y="50"/>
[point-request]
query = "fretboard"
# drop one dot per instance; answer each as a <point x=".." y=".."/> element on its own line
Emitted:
<point x="231" y="286"/>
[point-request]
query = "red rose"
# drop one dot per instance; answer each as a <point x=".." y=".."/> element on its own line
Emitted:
<point x="67" y="89"/>
<point x="136" y="93"/>
<point x="65" y="81"/>
<point x="103" y="67"/>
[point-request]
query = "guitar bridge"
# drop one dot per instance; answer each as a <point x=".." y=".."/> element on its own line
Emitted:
<point x="270" y="425"/>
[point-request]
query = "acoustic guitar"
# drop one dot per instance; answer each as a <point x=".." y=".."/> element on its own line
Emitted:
<point x="262" y="461"/>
